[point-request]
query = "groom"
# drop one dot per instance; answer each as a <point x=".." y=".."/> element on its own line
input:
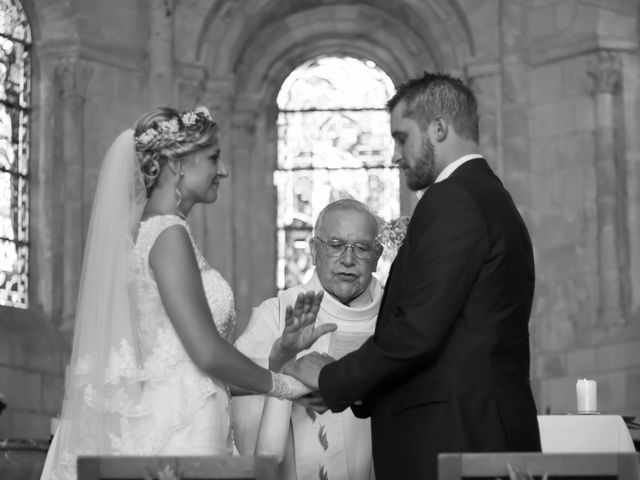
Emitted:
<point x="447" y="369"/>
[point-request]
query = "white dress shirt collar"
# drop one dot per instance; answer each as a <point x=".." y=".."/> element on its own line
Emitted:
<point x="449" y="169"/>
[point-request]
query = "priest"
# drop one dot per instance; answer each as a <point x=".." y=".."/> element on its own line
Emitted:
<point x="308" y="444"/>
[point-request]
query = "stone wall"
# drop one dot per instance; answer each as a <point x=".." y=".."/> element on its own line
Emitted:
<point x="83" y="92"/>
<point x="33" y="356"/>
<point x="557" y="82"/>
<point x="584" y="177"/>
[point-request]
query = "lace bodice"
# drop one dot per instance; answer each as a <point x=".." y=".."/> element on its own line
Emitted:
<point x="160" y="346"/>
<point x="173" y="387"/>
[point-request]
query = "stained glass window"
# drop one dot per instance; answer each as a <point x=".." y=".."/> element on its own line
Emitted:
<point x="15" y="96"/>
<point x="333" y="143"/>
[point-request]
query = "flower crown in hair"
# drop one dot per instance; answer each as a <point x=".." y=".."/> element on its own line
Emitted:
<point x="189" y="119"/>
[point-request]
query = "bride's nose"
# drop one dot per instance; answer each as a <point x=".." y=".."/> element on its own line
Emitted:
<point x="222" y="169"/>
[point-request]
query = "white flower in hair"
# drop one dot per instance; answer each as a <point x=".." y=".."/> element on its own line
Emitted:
<point x="191" y="117"/>
<point x="166" y="126"/>
<point x="204" y="111"/>
<point x="169" y="126"/>
<point x="148" y="135"/>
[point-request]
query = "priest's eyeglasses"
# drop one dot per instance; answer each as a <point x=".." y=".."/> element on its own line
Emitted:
<point x="337" y="248"/>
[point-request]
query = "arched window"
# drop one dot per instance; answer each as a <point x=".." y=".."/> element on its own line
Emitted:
<point x="15" y="97"/>
<point x="333" y="142"/>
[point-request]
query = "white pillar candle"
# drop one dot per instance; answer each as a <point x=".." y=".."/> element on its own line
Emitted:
<point x="587" y="395"/>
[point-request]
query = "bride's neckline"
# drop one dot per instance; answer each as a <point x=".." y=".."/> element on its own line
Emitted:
<point x="159" y="215"/>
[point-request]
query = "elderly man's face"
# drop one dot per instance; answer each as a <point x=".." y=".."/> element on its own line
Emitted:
<point x="345" y="276"/>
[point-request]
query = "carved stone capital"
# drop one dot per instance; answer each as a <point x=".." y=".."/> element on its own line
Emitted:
<point x="191" y="90"/>
<point x="230" y="9"/>
<point x="245" y="123"/>
<point x="605" y="71"/>
<point x="220" y="106"/>
<point x="163" y="8"/>
<point x="220" y="111"/>
<point x="245" y="127"/>
<point x="73" y="76"/>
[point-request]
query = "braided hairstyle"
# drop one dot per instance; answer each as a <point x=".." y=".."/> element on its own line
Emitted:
<point x="166" y="135"/>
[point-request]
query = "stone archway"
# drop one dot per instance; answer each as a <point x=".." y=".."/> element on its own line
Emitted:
<point x="264" y="46"/>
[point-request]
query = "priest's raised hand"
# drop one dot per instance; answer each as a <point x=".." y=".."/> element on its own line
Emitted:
<point x="300" y="330"/>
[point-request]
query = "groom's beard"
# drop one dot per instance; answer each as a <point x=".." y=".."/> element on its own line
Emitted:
<point x="423" y="174"/>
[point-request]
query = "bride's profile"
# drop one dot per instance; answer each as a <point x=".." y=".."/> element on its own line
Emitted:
<point x="151" y="367"/>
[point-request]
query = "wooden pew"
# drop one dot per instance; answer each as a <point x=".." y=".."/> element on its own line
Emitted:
<point x="457" y="466"/>
<point x="246" y="467"/>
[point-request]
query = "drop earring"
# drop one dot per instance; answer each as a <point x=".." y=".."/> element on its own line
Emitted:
<point x="179" y="195"/>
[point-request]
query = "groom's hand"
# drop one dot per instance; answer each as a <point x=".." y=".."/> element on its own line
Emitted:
<point x="313" y="401"/>
<point x="307" y="368"/>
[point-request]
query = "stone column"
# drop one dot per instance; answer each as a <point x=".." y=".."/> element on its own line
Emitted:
<point x="161" y="72"/>
<point x="484" y="80"/>
<point x="44" y="215"/>
<point x="513" y="100"/>
<point x="217" y="221"/>
<point x="73" y="77"/>
<point x="604" y="70"/>
<point x="243" y="214"/>
<point x="189" y="95"/>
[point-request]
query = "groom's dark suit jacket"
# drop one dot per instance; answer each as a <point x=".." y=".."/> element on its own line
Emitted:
<point x="447" y="369"/>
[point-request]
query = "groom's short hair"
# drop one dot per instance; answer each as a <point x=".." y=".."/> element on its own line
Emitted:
<point x="439" y="95"/>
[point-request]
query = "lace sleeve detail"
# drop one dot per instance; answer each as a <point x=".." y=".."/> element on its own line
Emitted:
<point x="151" y="228"/>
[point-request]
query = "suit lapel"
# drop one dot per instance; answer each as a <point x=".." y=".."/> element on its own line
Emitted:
<point x="476" y="166"/>
<point x="392" y="287"/>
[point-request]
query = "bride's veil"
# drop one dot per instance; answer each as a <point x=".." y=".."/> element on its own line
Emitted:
<point x="103" y="389"/>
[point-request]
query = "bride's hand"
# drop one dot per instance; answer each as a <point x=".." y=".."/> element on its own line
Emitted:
<point x="300" y="331"/>
<point x="286" y="387"/>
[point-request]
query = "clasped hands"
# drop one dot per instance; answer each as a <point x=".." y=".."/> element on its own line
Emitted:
<point x="307" y="370"/>
<point x="300" y="333"/>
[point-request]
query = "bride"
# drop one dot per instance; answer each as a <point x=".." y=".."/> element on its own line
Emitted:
<point x="152" y="368"/>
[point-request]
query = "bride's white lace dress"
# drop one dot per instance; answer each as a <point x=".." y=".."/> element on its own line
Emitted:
<point x="191" y="411"/>
<point x="163" y="404"/>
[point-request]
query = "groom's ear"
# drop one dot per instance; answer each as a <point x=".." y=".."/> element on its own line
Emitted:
<point x="440" y="127"/>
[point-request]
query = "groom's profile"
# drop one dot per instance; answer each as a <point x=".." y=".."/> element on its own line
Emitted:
<point x="447" y="369"/>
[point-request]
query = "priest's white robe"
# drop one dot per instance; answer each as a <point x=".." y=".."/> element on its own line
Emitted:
<point x="311" y="446"/>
